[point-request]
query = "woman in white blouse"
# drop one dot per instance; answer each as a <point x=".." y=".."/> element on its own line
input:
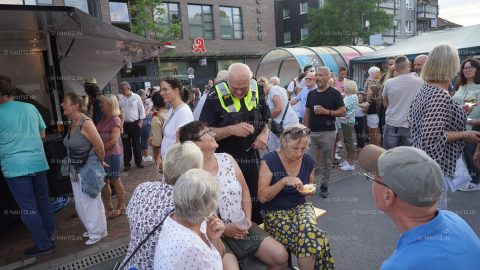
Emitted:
<point x="235" y="203"/>
<point x="178" y="115"/>
<point x="190" y="238"/>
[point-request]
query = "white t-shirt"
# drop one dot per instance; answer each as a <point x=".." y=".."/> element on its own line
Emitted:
<point x="291" y="116"/>
<point x="175" y="120"/>
<point x="179" y="247"/>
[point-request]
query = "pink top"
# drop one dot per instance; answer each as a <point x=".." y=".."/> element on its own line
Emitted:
<point x="105" y="128"/>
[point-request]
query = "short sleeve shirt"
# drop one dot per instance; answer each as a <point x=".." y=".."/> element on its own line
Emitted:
<point x="105" y="130"/>
<point x="21" y="147"/>
<point x="179" y="247"/>
<point x="329" y="99"/>
<point x="175" y="120"/>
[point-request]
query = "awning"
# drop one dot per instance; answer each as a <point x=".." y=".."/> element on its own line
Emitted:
<point x="465" y="39"/>
<point x="86" y="46"/>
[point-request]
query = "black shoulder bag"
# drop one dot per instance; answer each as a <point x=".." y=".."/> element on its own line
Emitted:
<point x="143" y="242"/>
<point x="277" y="128"/>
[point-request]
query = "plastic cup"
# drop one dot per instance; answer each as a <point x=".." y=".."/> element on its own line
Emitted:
<point x="239" y="219"/>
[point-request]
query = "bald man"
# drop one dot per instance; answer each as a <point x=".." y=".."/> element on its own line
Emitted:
<point x="418" y="64"/>
<point x="237" y="112"/>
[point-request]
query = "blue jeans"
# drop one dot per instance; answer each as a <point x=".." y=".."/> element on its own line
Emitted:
<point x="396" y="136"/>
<point x="144" y="134"/>
<point x="31" y="194"/>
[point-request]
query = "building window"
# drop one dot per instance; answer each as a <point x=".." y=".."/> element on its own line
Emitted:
<point x="397" y="27"/>
<point x="119" y="12"/>
<point x="231" y="23"/>
<point x="321" y="3"/>
<point x="303" y="7"/>
<point x="287" y="37"/>
<point x="170" y="16"/>
<point x="38" y="2"/>
<point x="409" y="4"/>
<point x="397" y="3"/>
<point x="409" y="27"/>
<point x="303" y="33"/>
<point x="200" y="21"/>
<point x="91" y="7"/>
<point x="286" y="13"/>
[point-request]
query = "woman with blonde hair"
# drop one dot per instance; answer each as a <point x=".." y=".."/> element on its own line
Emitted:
<point x="437" y="123"/>
<point x="374" y="98"/>
<point x="285" y="180"/>
<point x="110" y="127"/>
<point x="348" y="124"/>
<point x="86" y="154"/>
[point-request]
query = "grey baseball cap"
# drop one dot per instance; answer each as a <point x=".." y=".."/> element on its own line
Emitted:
<point x="409" y="172"/>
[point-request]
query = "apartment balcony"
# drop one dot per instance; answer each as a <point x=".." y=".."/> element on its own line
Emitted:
<point x="427" y="12"/>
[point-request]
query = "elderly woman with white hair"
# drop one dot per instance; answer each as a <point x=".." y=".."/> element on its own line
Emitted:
<point x="438" y="123"/>
<point x="348" y="124"/>
<point x="152" y="201"/>
<point x="374" y="98"/>
<point x="190" y="238"/>
<point x="286" y="178"/>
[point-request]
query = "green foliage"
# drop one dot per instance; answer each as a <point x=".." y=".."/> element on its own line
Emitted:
<point x="343" y="22"/>
<point x="148" y="21"/>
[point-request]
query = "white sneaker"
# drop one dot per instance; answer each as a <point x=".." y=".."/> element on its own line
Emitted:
<point x="339" y="145"/>
<point x="348" y="167"/>
<point x="345" y="162"/>
<point x="470" y="187"/>
<point x="92" y="241"/>
<point x="85" y="234"/>
<point x="337" y="157"/>
<point x="149" y="159"/>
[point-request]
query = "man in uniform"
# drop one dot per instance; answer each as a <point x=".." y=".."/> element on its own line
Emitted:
<point x="237" y="112"/>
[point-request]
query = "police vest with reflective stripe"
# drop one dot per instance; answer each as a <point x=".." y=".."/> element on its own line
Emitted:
<point x="232" y="104"/>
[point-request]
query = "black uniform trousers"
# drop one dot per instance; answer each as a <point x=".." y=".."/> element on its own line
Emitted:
<point x="131" y="139"/>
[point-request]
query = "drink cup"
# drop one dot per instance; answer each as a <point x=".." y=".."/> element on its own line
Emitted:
<point x="60" y="126"/>
<point x="239" y="219"/>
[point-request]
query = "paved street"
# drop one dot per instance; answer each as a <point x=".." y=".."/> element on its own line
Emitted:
<point x="361" y="237"/>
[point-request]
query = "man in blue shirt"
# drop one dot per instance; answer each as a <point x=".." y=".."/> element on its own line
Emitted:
<point x="25" y="166"/>
<point x="407" y="185"/>
<point x="310" y="84"/>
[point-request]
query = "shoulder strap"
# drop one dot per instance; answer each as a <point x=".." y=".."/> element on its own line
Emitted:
<point x="145" y="240"/>
<point x="284" y="113"/>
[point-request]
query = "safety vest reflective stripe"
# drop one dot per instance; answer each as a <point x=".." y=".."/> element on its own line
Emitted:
<point x="232" y="104"/>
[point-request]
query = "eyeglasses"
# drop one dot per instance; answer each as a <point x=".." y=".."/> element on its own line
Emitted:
<point x="371" y="179"/>
<point x="205" y="131"/>
<point x="468" y="68"/>
<point x="298" y="130"/>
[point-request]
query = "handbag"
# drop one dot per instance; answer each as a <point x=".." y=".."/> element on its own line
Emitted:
<point x="277" y="128"/>
<point x="117" y="266"/>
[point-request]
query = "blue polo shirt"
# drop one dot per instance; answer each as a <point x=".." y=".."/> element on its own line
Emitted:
<point x="21" y="147"/>
<point x="445" y="242"/>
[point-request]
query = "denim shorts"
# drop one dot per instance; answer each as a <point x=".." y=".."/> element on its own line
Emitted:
<point x="144" y="134"/>
<point x="373" y="121"/>
<point x="113" y="172"/>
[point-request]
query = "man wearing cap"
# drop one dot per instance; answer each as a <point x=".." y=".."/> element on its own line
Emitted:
<point x="406" y="185"/>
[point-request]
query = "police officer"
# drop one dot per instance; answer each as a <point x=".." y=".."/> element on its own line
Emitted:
<point x="237" y="112"/>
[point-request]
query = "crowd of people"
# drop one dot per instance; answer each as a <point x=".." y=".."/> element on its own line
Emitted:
<point x="251" y="152"/>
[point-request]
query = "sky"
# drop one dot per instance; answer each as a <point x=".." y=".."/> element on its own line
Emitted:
<point x="464" y="12"/>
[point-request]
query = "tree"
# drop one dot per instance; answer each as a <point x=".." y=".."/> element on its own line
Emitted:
<point x="346" y="22"/>
<point x="151" y="21"/>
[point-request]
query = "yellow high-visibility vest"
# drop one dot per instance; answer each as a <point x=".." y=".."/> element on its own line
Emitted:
<point x="232" y="104"/>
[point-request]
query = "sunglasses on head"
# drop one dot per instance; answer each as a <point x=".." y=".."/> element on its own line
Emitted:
<point x="298" y="130"/>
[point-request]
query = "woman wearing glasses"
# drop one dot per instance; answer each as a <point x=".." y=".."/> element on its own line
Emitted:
<point x="285" y="179"/>
<point x="235" y="203"/>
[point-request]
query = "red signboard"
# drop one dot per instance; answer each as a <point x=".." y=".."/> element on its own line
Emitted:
<point x="199" y="46"/>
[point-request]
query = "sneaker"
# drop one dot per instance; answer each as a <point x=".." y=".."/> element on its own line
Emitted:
<point x="470" y="187"/>
<point x="324" y="191"/>
<point x="339" y="145"/>
<point x="92" y="241"/>
<point x="140" y="166"/>
<point x="34" y="251"/>
<point x="345" y="162"/>
<point x="126" y="168"/>
<point x="85" y="234"/>
<point x="348" y="167"/>
<point x="148" y="159"/>
<point x="337" y="156"/>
